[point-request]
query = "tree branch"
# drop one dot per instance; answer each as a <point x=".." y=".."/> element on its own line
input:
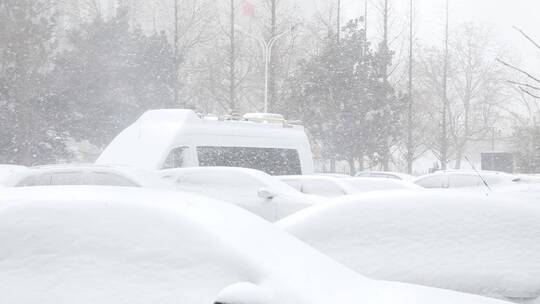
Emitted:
<point x="527" y="37"/>
<point x="529" y="93"/>
<point x="522" y="84"/>
<point x="518" y="69"/>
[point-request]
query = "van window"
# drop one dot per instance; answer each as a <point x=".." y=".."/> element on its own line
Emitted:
<point x="177" y="158"/>
<point x="270" y="160"/>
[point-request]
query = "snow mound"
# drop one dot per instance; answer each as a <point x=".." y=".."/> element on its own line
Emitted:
<point x="466" y="242"/>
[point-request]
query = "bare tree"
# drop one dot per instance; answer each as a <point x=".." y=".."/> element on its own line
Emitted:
<point x="444" y="112"/>
<point x="477" y="85"/>
<point x="530" y="85"/>
<point x="191" y="29"/>
<point x="410" y="125"/>
<point x="338" y="21"/>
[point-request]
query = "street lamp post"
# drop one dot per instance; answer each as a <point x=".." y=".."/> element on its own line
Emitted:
<point x="266" y="47"/>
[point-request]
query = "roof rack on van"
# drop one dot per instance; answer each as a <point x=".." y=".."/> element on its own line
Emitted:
<point x="268" y="118"/>
<point x="271" y="118"/>
<point x="264" y="117"/>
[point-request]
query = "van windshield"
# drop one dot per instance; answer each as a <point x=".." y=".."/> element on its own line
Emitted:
<point x="270" y="160"/>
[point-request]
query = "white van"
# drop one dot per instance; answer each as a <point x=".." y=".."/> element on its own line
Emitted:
<point x="177" y="138"/>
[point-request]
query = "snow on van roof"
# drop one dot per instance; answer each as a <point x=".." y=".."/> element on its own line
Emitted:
<point x="147" y="142"/>
<point x="144" y="141"/>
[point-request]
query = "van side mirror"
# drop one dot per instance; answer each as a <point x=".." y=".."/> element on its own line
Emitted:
<point x="266" y="193"/>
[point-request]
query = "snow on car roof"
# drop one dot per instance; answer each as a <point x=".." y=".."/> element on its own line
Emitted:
<point x="467" y="242"/>
<point x="396" y="174"/>
<point x="482" y="172"/>
<point x="111" y="245"/>
<point x="208" y="173"/>
<point x="357" y="184"/>
<point x="138" y="176"/>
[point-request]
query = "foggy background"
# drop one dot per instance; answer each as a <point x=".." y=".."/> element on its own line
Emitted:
<point x="75" y="73"/>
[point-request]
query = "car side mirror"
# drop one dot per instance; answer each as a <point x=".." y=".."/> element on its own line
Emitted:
<point x="243" y="293"/>
<point x="266" y="193"/>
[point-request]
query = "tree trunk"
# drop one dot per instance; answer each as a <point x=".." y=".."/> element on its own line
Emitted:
<point x="459" y="156"/>
<point x="444" y="131"/>
<point x="361" y="166"/>
<point x="385" y="47"/>
<point x="352" y="166"/>
<point x="232" y="62"/>
<point x="338" y="22"/>
<point x="386" y="160"/>
<point x="176" y="59"/>
<point x="410" y="143"/>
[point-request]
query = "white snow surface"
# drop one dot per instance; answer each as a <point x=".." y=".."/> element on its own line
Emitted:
<point x="466" y="242"/>
<point x="128" y="245"/>
<point x="6" y="171"/>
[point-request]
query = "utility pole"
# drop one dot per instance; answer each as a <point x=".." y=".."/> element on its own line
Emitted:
<point x="176" y="59"/>
<point x="444" y="133"/>
<point x="385" y="52"/>
<point x="493" y="134"/>
<point x="365" y="27"/>
<point x="266" y="48"/>
<point x="384" y="45"/>
<point x="232" y="88"/>
<point x="338" y="29"/>
<point x="272" y="61"/>
<point x="410" y="144"/>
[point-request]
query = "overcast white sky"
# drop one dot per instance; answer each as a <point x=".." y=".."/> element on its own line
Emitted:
<point x="500" y="15"/>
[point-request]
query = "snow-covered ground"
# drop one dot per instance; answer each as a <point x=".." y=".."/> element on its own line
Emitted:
<point x="486" y="245"/>
<point x="104" y="245"/>
<point x="6" y="171"/>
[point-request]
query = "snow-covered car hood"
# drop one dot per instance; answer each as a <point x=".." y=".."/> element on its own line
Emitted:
<point x="111" y="245"/>
<point x="467" y="242"/>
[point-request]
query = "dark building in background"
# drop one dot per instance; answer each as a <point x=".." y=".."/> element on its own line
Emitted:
<point x="498" y="161"/>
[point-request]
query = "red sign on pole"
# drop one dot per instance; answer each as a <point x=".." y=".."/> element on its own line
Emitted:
<point x="248" y="9"/>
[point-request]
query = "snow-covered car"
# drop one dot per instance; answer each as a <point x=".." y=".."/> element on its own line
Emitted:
<point x="466" y="179"/>
<point x="337" y="175"/>
<point x="328" y="186"/>
<point x="466" y="242"/>
<point x="251" y="189"/>
<point x="113" y="245"/>
<point x="65" y="175"/>
<point x="386" y="174"/>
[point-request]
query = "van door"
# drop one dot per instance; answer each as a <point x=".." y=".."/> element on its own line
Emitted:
<point x="234" y="186"/>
